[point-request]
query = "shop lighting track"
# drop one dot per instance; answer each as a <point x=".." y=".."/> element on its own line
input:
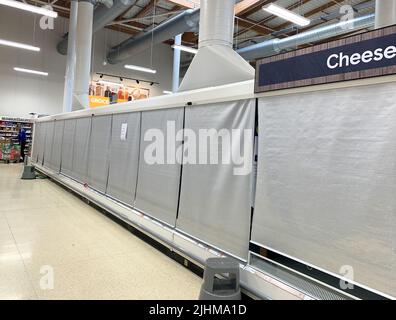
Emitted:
<point x="287" y="14"/>
<point x="41" y="73"/>
<point x="30" y="8"/>
<point x="110" y="83"/>
<point x="18" y="45"/>
<point x="138" y="68"/>
<point x="101" y="75"/>
<point x="184" y="48"/>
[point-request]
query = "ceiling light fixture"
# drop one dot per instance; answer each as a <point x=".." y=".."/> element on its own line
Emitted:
<point x="184" y="48"/>
<point x="137" y="68"/>
<point x="28" y="7"/>
<point x="41" y="73"/>
<point x="110" y="83"/>
<point x="18" y="45"/>
<point x="287" y="14"/>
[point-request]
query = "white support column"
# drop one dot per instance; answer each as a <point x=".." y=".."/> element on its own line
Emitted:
<point x="71" y="58"/>
<point x="385" y="13"/>
<point x="176" y="65"/>
<point x="84" y="50"/>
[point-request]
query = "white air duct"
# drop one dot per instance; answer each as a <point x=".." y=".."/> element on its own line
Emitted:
<point x="385" y="13"/>
<point x="83" y="51"/>
<point x="71" y="58"/>
<point x="216" y="63"/>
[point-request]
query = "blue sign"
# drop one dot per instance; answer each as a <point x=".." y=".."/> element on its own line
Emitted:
<point x="369" y="54"/>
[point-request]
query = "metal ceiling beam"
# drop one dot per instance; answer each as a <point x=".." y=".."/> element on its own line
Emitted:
<point x="191" y="4"/>
<point x="244" y="6"/>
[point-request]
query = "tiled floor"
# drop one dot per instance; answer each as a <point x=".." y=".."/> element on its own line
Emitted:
<point x="48" y="237"/>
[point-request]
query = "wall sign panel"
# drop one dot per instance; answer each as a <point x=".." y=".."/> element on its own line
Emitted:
<point x="365" y="55"/>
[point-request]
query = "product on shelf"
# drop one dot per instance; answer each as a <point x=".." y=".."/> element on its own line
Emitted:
<point x="9" y="144"/>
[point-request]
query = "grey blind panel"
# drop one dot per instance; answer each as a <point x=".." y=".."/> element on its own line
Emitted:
<point x="158" y="184"/>
<point x="215" y="202"/>
<point x="41" y="143"/>
<point x="67" y="146"/>
<point x="80" y="149"/>
<point x="49" y="137"/>
<point x="36" y="134"/>
<point x="98" y="152"/>
<point x="124" y="157"/>
<point x="326" y="181"/>
<point x="57" y="145"/>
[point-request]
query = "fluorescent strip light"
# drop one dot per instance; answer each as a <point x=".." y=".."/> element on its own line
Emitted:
<point x="142" y="69"/>
<point x="111" y="83"/>
<point x="18" y="45"/>
<point x="184" y="48"/>
<point x="28" y="7"/>
<point x="31" y="71"/>
<point x="167" y="92"/>
<point x="287" y="14"/>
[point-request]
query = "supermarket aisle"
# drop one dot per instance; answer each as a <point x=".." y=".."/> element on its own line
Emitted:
<point x="43" y="228"/>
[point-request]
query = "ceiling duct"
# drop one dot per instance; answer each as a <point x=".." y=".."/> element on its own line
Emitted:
<point x="275" y="46"/>
<point x="183" y="22"/>
<point x="103" y="15"/>
<point x="385" y="13"/>
<point x="216" y="63"/>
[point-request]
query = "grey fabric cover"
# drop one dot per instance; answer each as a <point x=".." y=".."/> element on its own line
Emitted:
<point x="68" y="146"/>
<point x="36" y="134"/>
<point x="124" y="158"/>
<point x="158" y="184"/>
<point x="49" y="137"/>
<point x="215" y="204"/>
<point x="41" y="142"/>
<point x="80" y="149"/>
<point x="98" y="152"/>
<point x="57" y="146"/>
<point x="326" y="181"/>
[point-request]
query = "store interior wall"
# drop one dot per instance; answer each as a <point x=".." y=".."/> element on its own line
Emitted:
<point x="23" y="93"/>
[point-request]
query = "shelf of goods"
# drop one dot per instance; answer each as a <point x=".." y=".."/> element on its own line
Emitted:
<point x="9" y="144"/>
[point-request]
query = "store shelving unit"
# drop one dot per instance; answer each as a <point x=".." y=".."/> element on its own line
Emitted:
<point x="9" y="136"/>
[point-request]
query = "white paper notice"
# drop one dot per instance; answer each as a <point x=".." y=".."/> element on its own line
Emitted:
<point x="124" y="129"/>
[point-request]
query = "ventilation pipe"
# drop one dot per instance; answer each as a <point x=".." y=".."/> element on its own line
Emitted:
<point x="103" y="15"/>
<point x="385" y="13"/>
<point x="275" y="46"/>
<point x="183" y="22"/>
<point x="216" y="63"/>
<point x="83" y="51"/>
<point x="71" y="58"/>
<point x="106" y="3"/>
<point x="176" y="64"/>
